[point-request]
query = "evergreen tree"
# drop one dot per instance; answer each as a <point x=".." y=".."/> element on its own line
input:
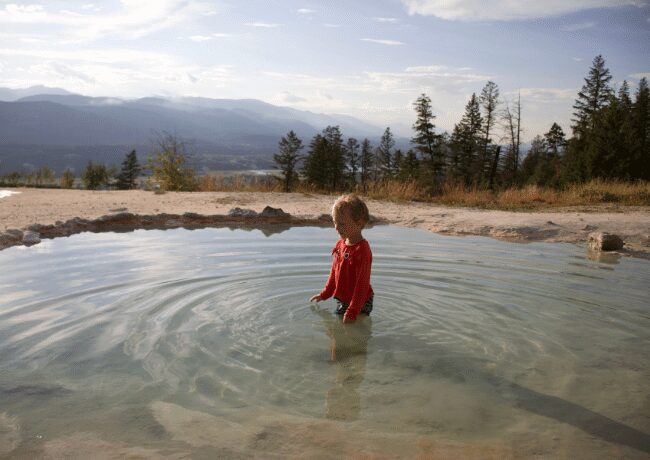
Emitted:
<point x="286" y="160"/>
<point x="129" y="173"/>
<point x="366" y="163"/>
<point x="397" y="163"/>
<point x="324" y="166"/>
<point x="409" y="166"/>
<point x="554" y="146"/>
<point x="335" y="157"/>
<point x="489" y="102"/>
<point x="533" y="168"/>
<point x="594" y="95"/>
<point x="385" y="155"/>
<point x="315" y="165"/>
<point x="352" y="158"/>
<point x="425" y="141"/>
<point x="641" y="130"/>
<point x="465" y="142"/>
<point x="608" y="154"/>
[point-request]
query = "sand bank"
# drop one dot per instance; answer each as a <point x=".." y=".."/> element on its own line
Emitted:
<point x="49" y="206"/>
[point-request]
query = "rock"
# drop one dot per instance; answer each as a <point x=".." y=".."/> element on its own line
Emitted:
<point x="30" y="238"/>
<point x="239" y="212"/>
<point x="603" y="241"/>
<point x="273" y="212"/>
<point x="589" y="228"/>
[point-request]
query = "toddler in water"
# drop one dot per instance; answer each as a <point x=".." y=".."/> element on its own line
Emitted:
<point x="349" y="280"/>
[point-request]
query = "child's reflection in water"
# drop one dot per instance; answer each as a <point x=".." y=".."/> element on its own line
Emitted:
<point x="348" y="351"/>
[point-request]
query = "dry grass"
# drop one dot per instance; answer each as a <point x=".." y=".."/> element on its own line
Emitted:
<point x="596" y="192"/>
<point x="238" y="183"/>
<point x="530" y="197"/>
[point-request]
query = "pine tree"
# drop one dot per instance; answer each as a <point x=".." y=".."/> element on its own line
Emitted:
<point x="425" y="141"/>
<point x="129" y="173"/>
<point x="352" y="159"/>
<point x="366" y="163"/>
<point x="398" y="158"/>
<point x="554" y="146"/>
<point x="594" y="95"/>
<point x="489" y="102"/>
<point x="533" y="167"/>
<point x="641" y="130"/>
<point x="409" y="166"/>
<point x="286" y="160"/>
<point x="335" y="157"/>
<point x="465" y="142"/>
<point x="385" y="154"/>
<point x="315" y="165"/>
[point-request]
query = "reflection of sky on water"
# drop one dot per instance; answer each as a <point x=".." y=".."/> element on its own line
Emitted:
<point x="469" y="335"/>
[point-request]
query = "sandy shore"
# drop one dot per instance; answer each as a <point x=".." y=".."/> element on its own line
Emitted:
<point x="49" y="206"/>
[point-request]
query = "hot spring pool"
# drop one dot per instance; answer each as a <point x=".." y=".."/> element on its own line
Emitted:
<point x="178" y="342"/>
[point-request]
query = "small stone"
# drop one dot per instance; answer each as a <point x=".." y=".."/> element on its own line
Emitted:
<point x="603" y="241"/>
<point x="239" y="212"/>
<point x="30" y="238"/>
<point x="589" y="228"/>
<point x="273" y="212"/>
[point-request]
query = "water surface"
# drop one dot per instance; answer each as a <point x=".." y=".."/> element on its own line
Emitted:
<point x="175" y="342"/>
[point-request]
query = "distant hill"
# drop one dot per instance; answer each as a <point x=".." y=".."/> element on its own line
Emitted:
<point x="51" y="126"/>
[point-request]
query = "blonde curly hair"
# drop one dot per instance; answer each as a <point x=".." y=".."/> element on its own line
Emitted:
<point x="354" y="206"/>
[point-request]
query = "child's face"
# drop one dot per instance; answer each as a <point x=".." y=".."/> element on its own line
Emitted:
<point x="345" y="225"/>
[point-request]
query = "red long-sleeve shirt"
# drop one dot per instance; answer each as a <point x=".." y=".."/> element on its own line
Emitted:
<point x="349" y="279"/>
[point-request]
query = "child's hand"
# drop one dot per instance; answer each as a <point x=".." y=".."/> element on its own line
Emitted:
<point x="317" y="298"/>
<point x="347" y="319"/>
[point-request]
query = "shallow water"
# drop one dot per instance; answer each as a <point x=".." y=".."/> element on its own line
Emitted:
<point x="168" y="343"/>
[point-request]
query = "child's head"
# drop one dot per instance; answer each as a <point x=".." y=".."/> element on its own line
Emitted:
<point x="351" y="210"/>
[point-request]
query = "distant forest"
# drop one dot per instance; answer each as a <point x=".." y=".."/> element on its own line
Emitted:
<point x="609" y="141"/>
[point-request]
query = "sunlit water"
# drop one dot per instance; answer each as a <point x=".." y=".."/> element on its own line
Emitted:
<point x="169" y="343"/>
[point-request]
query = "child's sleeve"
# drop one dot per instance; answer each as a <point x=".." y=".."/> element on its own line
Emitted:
<point x="328" y="290"/>
<point x="362" y="285"/>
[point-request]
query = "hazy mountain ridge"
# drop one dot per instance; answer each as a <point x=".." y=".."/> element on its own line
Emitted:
<point x="217" y="130"/>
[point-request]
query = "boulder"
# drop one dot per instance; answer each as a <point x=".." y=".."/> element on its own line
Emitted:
<point x="30" y="238"/>
<point x="273" y="212"/>
<point x="239" y="212"/>
<point x="603" y="241"/>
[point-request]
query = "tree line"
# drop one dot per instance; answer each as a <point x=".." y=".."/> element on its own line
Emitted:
<point x="609" y="141"/>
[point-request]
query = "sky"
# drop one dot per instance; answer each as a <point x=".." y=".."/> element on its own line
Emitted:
<point x="367" y="58"/>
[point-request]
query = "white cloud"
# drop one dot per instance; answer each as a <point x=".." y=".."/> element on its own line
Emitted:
<point x="577" y="27"/>
<point x="389" y="20"/>
<point x="290" y="98"/>
<point x="267" y="25"/>
<point x="134" y="18"/>
<point x="306" y="11"/>
<point x="578" y="59"/>
<point x="333" y="26"/>
<point x="506" y="10"/>
<point x="205" y="38"/>
<point x="548" y="94"/>
<point x="382" y="42"/>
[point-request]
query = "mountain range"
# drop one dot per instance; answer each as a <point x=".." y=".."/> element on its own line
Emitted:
<point x="50" y="126"/>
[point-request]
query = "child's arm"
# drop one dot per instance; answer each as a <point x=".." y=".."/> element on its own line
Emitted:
<point x="330" y="285"/>
<point x="361" y="287"/>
